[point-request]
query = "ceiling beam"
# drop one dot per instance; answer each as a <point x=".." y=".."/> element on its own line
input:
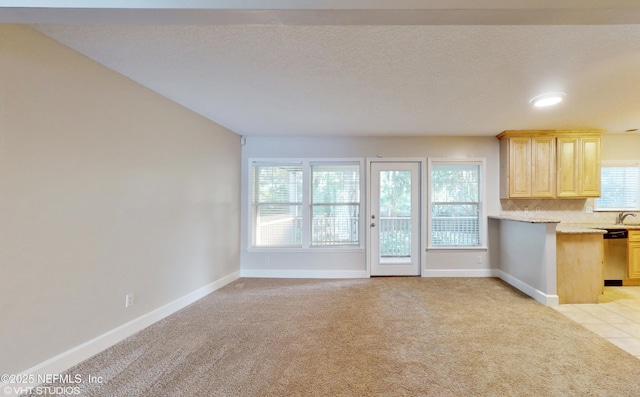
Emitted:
<point x="325" y="4"/>
<point x="316" y="12"/>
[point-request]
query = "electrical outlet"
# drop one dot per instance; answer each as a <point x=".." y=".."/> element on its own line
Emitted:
<point x="526" y="210"/>
<point x="128" y="300"/>
<point x="266" y="259"/>
<point x="479" y="260"/>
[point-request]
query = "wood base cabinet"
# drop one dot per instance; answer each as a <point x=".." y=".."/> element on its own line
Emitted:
<point x="579" y="271"/>
<point x="633" y="246"/>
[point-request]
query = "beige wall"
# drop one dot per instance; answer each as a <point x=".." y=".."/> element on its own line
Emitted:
<point x="106" y="188"/>
<point x="621" y="147"/>
<point x="614" y="147"/>
<point x="331" y="263"/>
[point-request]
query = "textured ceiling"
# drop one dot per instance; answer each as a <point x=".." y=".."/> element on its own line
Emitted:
<point x="379" y="79"/>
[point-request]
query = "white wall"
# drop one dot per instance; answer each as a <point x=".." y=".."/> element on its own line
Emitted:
<point x="525" y="254"/>
<point x="440" y="263"/>
<point x="106" y="188"/>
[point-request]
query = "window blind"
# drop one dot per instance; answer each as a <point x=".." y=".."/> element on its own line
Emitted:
<point x="620" y="189"/>
<point x="455" y="204"/>
<point x="305" y="204"/>
<point x="335" y="204"/>
<point x="277" y="205"/>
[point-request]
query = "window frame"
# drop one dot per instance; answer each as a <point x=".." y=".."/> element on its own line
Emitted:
<point x="254" y="206"/>
<point x="482" y="199"/>
<point x="611" y="164"/>
<point x="313" y="204"/>
<point x="306" y="205"/>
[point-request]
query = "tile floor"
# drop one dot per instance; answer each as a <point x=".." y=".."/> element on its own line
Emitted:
<point x="616" y="317"/>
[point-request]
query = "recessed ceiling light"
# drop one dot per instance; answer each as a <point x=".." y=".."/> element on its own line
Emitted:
<point x="547" y="99"/>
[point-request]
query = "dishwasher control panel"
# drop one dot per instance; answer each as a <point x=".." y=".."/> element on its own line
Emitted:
<point x="616" y="233"/>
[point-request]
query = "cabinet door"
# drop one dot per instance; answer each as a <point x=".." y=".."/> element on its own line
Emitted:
<point x="568" y="166"/>
<point x="543" y="166"/>
<point x="520" y="167"/>
<point x="633" y="254"/>
<point x="549" y="164"/>
<point x="634" y="260"/>
<point x="590" y="167"/>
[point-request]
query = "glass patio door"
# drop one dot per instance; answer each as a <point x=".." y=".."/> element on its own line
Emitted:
<point x="394" y="219"/>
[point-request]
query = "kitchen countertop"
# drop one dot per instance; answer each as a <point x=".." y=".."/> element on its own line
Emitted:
<point x="570" y="228"/>
<point x="576" y="228"/>
<point x="587" y="228"/>
<point x="526" y="219"/>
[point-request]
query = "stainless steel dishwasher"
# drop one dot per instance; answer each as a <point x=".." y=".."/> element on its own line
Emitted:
<point x="615" y="256"/>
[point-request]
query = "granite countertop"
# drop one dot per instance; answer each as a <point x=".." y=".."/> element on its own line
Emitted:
<point x="527" y="219"/>
<point x="586" y="228"/>
<point x="570" y="228"/>
<point x="573" y="228"/>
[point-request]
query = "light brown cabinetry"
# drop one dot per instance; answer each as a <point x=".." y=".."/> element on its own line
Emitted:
<point x="527" y="166"/>
<point x="519" y="184"/>
<point x="550" y="164"/>
<point x="579" y="270"/>
<point x="633" y="244"/>
<point x="543" y="167"/>
<point x="578" y="163"/>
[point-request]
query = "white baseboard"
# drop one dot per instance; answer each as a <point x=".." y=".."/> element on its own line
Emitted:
<point x="545" y="299"/>
<point x="297" y="273"/>
<point x="76" y="355"/>
<point x="460" y="273"/>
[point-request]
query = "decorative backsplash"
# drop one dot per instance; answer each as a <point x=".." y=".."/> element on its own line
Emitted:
<point x="566" y="211"/>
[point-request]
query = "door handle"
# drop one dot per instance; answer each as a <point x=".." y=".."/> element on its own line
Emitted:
<point x="373" y="225"/>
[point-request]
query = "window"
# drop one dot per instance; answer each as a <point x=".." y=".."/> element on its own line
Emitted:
<point x="277" y="205"/>
<point x="455" y="193"/>
<point x="335" y="204"/>
<point x="306" y="204"/>
<point x="619" y="189"/>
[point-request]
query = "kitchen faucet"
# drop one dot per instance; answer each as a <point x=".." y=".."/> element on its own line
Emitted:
<point x="622" y="215"/>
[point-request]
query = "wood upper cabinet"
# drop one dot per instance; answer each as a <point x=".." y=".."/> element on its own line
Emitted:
<point x="590" y="165"/>
<point x="529" y="161"/>
<point x="543" y="167"/>
<point x="527" y="166"/>
<point x="519" y="160"/>
<point x="578" y="166"/>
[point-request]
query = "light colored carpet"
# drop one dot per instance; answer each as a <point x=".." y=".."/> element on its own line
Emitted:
<point x="366" y="337"/>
